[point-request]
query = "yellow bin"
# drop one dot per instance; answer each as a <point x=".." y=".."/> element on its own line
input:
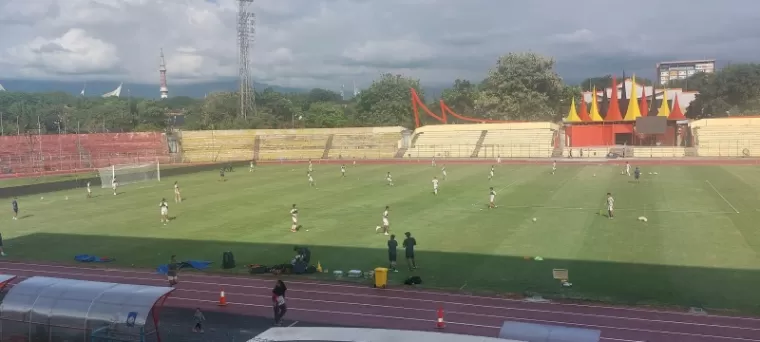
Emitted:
<point x="381" y="277"/>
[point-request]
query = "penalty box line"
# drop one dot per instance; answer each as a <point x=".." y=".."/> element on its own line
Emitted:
<point x="618" y="209"/>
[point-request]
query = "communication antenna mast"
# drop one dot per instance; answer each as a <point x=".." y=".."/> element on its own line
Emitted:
<point x="245" y="34"/>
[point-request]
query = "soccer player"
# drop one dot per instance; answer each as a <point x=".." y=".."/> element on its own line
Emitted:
<point x="221" y="175"/>
<point x="164" y="211"/>
<point x="443" y="171"/>
<point x="389" y="179"/>
<point x="310" y="166"/>
<point x="343" y="170"/>
<point x="627" y="169"/>
<point x="432" y="162"/>
<point x="386" y="225"/>
<point x="294" y="217"/>
<point x="491" y="197"/>
<point x="554" y="167"/>
<point x="311" y="180"/>
<point x="636" y="174"/>
<point x="177" y="194"/>
<point x="14" y="205"/>
<point x="114" y="185"/>
<point x="435" y="186"/>
<point x="392" y="245"/>
<point x="409" y="244"/>
<point x="498" y="159"/>
<point x="490" y="174"/>
<point x="252" y="166"/>
<point x="89" y="190"/>
<point x="610" y="206"/>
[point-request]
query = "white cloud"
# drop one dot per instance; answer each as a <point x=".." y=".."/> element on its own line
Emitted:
<point x="331" y="42"/>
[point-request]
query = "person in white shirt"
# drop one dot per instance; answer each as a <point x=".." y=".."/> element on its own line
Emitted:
<point x="177" y="194"/>
<point x="491" y="198"/>
<point x="610" y="206"/>
<point x="311" y="180"/>
<point x="164" y="211"/>
<point x="443" y="171"/>
<point x="627" y="169"/>
<point x="554" y="167"/>
<point x="389" y="179"/>
<point x="435" y="186"/>
<point x="432" y="162"/>
<point x="89" y="190"/>
<point x="343" y="171"/>
<point x="294" y="217"/>
<point x="310" y="166"/>
<point x="251" y="166"/>
<point x="498" y="159"/>
<point x="114" y="185"/>
<point x="386" y="225"/>
<point x="490" y="174"/>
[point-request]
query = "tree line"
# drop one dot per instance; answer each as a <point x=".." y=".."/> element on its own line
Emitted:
<point x="521" y="86"/>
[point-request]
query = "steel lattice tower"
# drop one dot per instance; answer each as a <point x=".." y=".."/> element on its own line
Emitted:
<point x="245" y="34"/>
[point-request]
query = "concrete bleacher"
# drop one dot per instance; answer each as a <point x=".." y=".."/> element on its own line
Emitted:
<point x="727" y="137"/>
<point x="290" y="144"/>
<point x="365" y="143"/>
<point x="508" y="140"/>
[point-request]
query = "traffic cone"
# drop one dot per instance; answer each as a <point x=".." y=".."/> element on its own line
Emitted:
<point x="222" y="299"/>
<point x="440" y="324"/>
<point x="319" y="267"/>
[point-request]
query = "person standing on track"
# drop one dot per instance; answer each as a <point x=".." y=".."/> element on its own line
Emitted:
<point x="278" y="301"/>
<point x="409" y="244"/>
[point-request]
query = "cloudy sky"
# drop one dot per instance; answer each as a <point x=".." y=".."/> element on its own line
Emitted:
<point x="305" y="43"/>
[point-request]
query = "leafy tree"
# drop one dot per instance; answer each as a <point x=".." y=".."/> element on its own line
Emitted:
<point x="734" y="90"/>
<point x="326" y="114"/>
<point x="461" y="97"/>
<point x="386" y="102"/>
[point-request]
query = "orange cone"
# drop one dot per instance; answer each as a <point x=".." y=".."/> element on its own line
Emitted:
<point x="440" y="324"/>
<point x="222" y="299"/>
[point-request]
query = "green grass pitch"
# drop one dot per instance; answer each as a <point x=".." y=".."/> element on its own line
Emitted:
<point x="699" y="246"/>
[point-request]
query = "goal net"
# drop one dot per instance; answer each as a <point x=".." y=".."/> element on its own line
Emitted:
<point x="128" y="174"/>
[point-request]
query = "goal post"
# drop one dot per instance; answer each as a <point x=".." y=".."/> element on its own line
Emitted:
<point x="130" y="173"/>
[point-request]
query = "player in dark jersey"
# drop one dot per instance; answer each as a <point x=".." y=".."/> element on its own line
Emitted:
<point x="636" y="174"/>
<point x="221" y="175"/>
<point x="409" y="244"/>
<point x="392" y="245"/>
<point x="14" y="205"/>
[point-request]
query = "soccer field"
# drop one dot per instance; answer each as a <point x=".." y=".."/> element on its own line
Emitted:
<point x="699" y="246"/>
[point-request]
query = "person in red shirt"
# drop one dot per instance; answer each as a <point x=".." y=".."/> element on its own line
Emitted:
<point x="278" y="302"/>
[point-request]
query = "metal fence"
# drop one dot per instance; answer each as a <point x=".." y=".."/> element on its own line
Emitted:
<point x="61" y="163"/>
<point x="485" y="151"/>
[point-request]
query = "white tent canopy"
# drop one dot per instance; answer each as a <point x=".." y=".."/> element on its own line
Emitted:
<point x="365" y="335"/>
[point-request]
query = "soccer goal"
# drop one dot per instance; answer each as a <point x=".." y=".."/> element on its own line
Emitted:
<point x="130" y="173"/>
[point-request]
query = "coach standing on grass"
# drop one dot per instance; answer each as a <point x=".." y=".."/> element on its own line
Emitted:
<point x="409" y="244"/>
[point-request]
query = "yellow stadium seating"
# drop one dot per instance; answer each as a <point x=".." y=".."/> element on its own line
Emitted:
<point x="365" y="146"/>
<point x="310" y="146"/>
<point x="509" y="140"/>
<point x="727" y="137"/>
<point x="217" y="146"/>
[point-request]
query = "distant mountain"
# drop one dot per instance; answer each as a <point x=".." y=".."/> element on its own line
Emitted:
<point x="97" y="88"/>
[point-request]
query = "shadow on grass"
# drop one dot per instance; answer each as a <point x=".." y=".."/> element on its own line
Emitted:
<point x="622" y="283"/>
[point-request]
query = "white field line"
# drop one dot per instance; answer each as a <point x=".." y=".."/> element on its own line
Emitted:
<point x="721" y="196"/>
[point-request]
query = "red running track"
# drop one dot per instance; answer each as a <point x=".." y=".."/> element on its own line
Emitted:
<point x="352" y="305"/>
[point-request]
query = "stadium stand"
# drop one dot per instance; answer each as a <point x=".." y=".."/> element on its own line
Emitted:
<point x="59" y="152"/>
<point x="508" y="140"/>
<point x="281" y="144"/>
<point x="727" y="137"/>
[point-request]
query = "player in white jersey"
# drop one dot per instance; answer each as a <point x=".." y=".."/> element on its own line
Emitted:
<point x="386" y="225"/>
<point x="491" y="198"/>
<point x="443" y="171"/>
<point x="389" y="179"/>
<point x="490" y="174"/>
<point x="354" y="162"/>
<point x="177" y="194"/>
<point x="498" y="159"/>
<point x="294" y="217"/>
<point x="311" y="180"/>
<point x="114" y="185"/>
<point x="89" y="190"/>
<point x="343" y="170"/>
<point x="251" y="166"/>
<point x="610" y="206"/>
<point x="164" y="211"/>
<point x="627" y="169"/>
<point x="310" y="166"/>
<point x="432" y="162"/>
<point x="435" y="186"/>
<point x="554" y="167"/>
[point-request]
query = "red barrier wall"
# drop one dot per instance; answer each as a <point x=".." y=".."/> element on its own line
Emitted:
<point x="46" y="153"/>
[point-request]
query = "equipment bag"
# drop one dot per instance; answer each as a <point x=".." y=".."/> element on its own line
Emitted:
<point x="228" y="260"/>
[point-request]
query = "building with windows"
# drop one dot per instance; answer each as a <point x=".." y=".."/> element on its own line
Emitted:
<point x="679" y="70"/>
